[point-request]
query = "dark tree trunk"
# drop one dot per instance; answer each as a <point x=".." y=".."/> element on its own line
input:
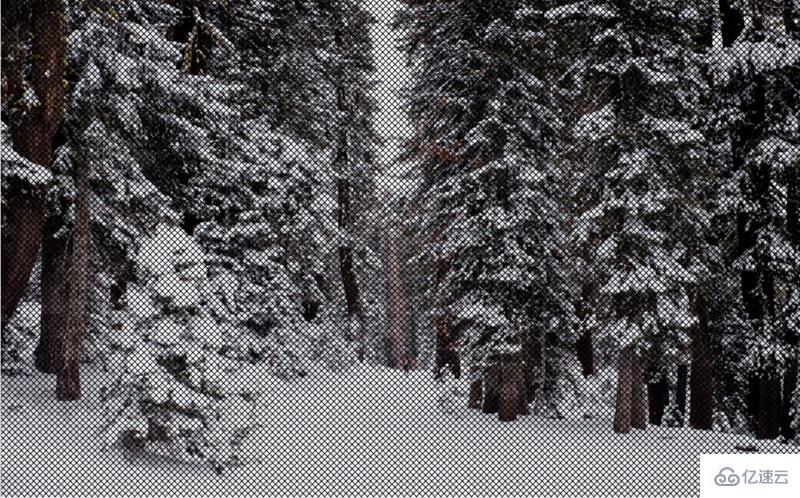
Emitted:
<point x="55" y="305"/>
<point x="397" y="310"/>
<point x="22" y="239"/>
<point x="475" y="394"/>
<point x="522" y="399"/>
<point x="793" y="227"/>
<point x="349" y="281"/>
<point x="446" y="347"/>
<point x="624" y="399"/>
<point x="789" y="386"/>
<point x="447" y="334"/>
<point x="586" y="353"/>
<point x="33" y="131"/>
<point x="492" y="377"/>
<point x="757" y="280"/>
<point x="345" y="218"/>
<point x="638" y="395"/>
<point x="769" y="402"/>
<point x="342" y="168"/>
<point x="511" y="390"/>
<point x="701" y="405"/>
<point x="680" y="391"/>
<point x="533" y="352"/>
<point x="584" y="345"/>
<point x="657" y="399"/>
<point x="753" y="396"/>
<point x="68" y="387"/>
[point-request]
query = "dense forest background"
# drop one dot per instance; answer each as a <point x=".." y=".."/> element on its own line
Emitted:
<point x="596" y="205"/>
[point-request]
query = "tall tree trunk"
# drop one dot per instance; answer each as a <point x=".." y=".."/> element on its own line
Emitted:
<point x="33" y="131"/>
<point x="55" y="305"/>
<point x="584" y="345"/>
<point x="751" y="405"/>
<point x="492" y="376"/>
<point x="349" y="281"/>
<point x="769" y="402"/>
<point x="447" y="335"/>
<point x="68" y="387"/>
<point x="342" y="168"/>
<point x="586" y="353"/>
<point x="789" y="387"/>
<point x="793" y="227"/>
<point x="657" y="399"/>
<point x="680" y="391"/>
<point x="399" y="330"/>
<point x="511" y="389"/>
<point x="757" y="280"/>
<point x="475" y="394"/>
<point x="701" y="401"/>
<point x="732" y="22"/>
<point x="624" y="400"/>
<point x="638" y="395"/>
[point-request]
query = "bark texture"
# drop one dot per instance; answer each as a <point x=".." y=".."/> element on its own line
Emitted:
<point x="657" y="399"/>
<point x="769" y="403"/>
<point x="624" y="399"/>
<point x="584" y="344"/>
<point x="475" y="394"/>
<point x="55" y="305"/>
<point x="33" y="129"/>
<point x="68" y="387"/>
<point x="701" y="402"/>
<point x="349" y="280"/>
<point x="492" y="376"/>
<point x="638" y="395"/>
<point x="511" y="390"/>
<point x="398" y="323"/>
<point x="586" y="353"/>
<point x="680" y="391"/>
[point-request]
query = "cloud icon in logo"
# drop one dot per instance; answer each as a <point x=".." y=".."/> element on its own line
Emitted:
<point x="726" y="477"/>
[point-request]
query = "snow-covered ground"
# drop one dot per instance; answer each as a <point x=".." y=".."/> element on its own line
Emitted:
<point x="369" y="430"/>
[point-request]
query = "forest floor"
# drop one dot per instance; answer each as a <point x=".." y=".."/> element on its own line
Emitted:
<point x="369" y="430"/>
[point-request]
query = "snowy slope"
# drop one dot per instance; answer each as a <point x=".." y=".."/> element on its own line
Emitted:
<point x="368" y="431"/>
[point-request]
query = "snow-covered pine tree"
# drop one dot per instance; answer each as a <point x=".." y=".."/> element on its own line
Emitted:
<point x="177" y="91"/>
<point x="281" y="64"/>
<point x="637" y="85"/>
<point x="267" y="207"/>
<point x="487" y="207"/>
<point x="270" y="225"/>
<point x="756" y="72"/>
<point x="182" y="391"/>
<point x="352" y="138"/>
<point x="106" y="60"/>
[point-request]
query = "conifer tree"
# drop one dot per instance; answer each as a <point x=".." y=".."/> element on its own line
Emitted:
<point x="183" y="389"/>
<point x="488" y="206"/>
<point x="638" y="88"/>
<point x="756" y="84"/>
